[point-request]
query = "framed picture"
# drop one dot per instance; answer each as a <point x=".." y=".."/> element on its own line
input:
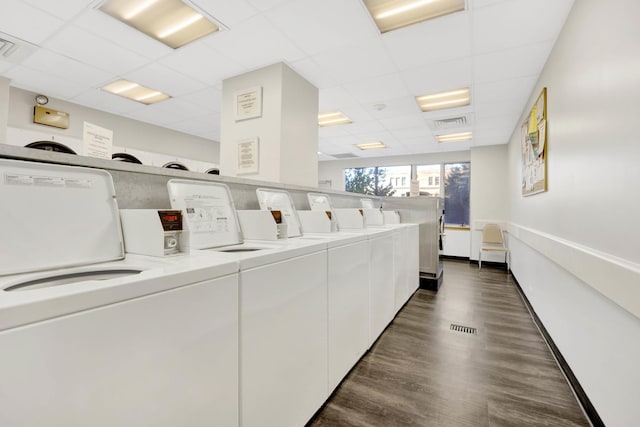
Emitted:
<point x="534" y="147"/>
<point x="248" y="103"/>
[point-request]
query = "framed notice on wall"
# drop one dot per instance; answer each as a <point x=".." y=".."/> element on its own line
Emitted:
<point x="248" y="103"/>
<point x="248" y="156"/>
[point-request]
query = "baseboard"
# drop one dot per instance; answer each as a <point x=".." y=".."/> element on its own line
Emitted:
<point x="454" y="258"/>
<point x="587" y="406"/>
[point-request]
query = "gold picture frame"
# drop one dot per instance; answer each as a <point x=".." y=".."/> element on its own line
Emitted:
<point x="534" y="144"/>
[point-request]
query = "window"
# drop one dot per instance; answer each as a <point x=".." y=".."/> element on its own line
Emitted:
<point x="429" y="178"/>
<point x="456" y="193"/>
<point x="378" y="180"/>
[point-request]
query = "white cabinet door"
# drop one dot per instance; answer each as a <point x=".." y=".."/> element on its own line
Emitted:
<point x="413" y="258"/>
<point x="381" y="287"/>
<point x="400" y="267"/>
<point x="283" y="341"/>
<point x="168" y="359"/>
<point x="348" y="272"/>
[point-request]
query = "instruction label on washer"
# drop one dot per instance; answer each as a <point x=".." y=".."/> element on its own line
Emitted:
<point x="46" y="181"/>
<point x="208" y="215"/>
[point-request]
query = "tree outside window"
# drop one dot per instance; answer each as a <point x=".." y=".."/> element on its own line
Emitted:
<point x="456" y="193"/>
<point x="370" y="181"/>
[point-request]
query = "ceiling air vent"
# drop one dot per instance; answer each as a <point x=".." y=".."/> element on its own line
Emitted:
<point x="344" y="156"/>
<point x="14" y="50"/>
<point x="447" y="123"/>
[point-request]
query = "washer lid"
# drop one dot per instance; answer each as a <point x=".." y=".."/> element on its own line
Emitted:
<point x="280" y="200"/>
<point x="56" y="216"/>
<point x="209" y="213"/>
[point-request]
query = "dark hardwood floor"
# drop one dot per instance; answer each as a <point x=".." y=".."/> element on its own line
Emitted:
<point x="422" y="373"/>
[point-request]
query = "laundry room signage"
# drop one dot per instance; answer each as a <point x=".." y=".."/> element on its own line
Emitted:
<point x="97" y="141"/>
<point x="248" y="157"/>
<point x="248" y="103"/>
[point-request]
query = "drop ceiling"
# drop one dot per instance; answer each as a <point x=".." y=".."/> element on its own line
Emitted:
<point x="497" y="48"/>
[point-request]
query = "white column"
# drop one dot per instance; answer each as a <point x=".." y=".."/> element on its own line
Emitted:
<point x="4" y="108"/>
<point x="285" y="125"/>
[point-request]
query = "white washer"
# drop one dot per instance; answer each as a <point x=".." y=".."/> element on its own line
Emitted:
<point x="91" y="337"/>
<point x="388" y="260"/>
<point x="283" y="308"/>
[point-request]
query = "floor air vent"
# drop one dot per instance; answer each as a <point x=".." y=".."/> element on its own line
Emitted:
<point x="463" y="329"/>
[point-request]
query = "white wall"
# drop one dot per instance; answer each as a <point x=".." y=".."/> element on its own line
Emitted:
<point x="575" y="248"/>
<point x="489" y="187"/>
<point x="126" y="132"/>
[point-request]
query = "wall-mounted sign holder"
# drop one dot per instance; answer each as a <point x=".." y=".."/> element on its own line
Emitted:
<point x="248" y="103"/>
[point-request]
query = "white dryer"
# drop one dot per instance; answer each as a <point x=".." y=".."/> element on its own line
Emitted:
<point x="90" y="336"/>
<point x="283" y="308"/>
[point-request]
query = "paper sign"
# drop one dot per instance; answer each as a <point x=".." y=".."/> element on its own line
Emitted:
<point x="248" y="157"/>
<point x="97" y="141"/>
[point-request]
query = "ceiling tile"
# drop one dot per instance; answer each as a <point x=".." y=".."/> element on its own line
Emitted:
<point x="362" y="127"/>
<point x="395" y="108"/>
<point x="310" y="70"/>
<point x="317" y="26"/>
<point x="511" y="63"/>
<point x="333" y="131"/>
<point x="25" y="22"/>
<point x="159" y="77"/>
<point x="409" y="134"/>
<point x="429" y="42"/>
<point x="500" y="108"/>
<point x="377" y="89"/>
<point x="93" y="50"/>
<point x="255" y="43"/>
<point x="334" y="98"/>
<point x="67" y="68"/>
<point x="106" y="101"/>
<point x="102" y="25"/>
<point x="166" y="112"/>
<point x="477" y="4"/>
<point x="63" y="9"/>
<point x="504" y="90"/>
<point x="517" y="22"/>
<point x="42" y="82"/>
<point x="356" y="62"/>
<point x="209" y="98"/>
<point x="4" y="66"/>
<point x="266" y="4"/>
<point x="403" y="122"/>
<point x="206" y="65"/>
<point x="439" y="77"/>
<point x="229" y="13"/>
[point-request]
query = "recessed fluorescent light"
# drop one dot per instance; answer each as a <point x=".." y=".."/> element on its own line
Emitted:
<point x="332" y="119"/>
<point x="171" y="22"/>
<point x="135" y="92"/>
<point x="371" y="145"/>
<point x="442" y="100"/>
<point x="454" y="137"/>
<point x="393" y="14"/>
